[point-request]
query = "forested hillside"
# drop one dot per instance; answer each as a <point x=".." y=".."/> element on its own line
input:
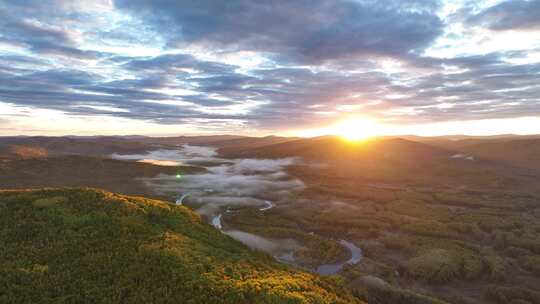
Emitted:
<point x="86" y="245"/>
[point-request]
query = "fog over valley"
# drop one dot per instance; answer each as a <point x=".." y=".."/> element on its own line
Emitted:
<point x="227" y="184"/>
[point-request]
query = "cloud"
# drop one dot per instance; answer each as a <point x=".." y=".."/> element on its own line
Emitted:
<point x="509" y="15"/>
<point x="298" y="30"/>
<point x="42" y="33"/>
<point x="176" y="62"/>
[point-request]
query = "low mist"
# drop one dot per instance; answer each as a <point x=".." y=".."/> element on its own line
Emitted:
<point x="227" y="183"/>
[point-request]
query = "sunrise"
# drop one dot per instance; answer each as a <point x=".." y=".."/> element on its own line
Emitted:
<point x="235" y="151"/>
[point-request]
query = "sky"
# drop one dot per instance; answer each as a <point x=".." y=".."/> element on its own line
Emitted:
<point x="291" y="67"/>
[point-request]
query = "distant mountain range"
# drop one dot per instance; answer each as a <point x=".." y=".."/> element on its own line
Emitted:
<point x="512" y="150"/>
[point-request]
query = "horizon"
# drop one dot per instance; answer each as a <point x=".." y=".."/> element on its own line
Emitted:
<point x="274" y="135"/>
<point x="171" y="68"/>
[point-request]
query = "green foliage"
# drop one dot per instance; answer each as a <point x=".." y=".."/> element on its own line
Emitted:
<point x="435" y="266"/>
<point x="84" y="171"/>
<point x="504" y="295"/>
<point x="438" y="266"/>
<point x="418" y="208"/>
<point x="391" y="295"/>
<point x="516" y="252"/>
<point x="467" y="229"/>
<point x="90" y="246"/>
<point x="429" y="228"/>
<point x="317" y="250"/>
<point x="397" y="242"/>
<point x="531" y="263"/>
<point x="526" y="243"/>
<point x="495" y="266"/>
<point x="48" y="202"/>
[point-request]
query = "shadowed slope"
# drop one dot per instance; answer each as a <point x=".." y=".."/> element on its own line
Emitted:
<point x="523" y="153"/>
<point x="83" y="171"/>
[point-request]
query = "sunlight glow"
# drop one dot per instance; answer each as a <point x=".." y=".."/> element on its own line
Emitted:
<point x="356" y="128"/>
<point x="361" y="128"/>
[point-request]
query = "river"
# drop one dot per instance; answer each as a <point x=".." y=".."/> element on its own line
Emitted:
<point x="356" y="256"/>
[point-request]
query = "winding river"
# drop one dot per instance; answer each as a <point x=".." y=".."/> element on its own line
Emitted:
<point x="216" y="221"/>
<point x="223" y="181"/>
<point x="268" y="205"/>
<point x="356" y="256"/>
<point x="180" y="201"/>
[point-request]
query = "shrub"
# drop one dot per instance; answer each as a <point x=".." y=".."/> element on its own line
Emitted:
<point x="527" y="243"/>
<point x="443" y="265"/>
<point x="495" y="266"/>
<point x="434" y="266"/>
<point x="516" y="252"/>
<point x="531" y="263"/>
<point x="49" y="202"/>
<point x="397" y="242"/>
<point x="392" y="295"/>
<point x="503" y="295"/>
<point x="429" y="228"/>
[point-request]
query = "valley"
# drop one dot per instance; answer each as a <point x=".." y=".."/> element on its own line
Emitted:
<point x="394" y="218"/>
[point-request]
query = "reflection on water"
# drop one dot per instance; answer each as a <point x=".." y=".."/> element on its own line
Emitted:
<point x="216" y="221"/>
<point x="180" y="201"/>
<point x="356" y="256"/>
<point x="287" y="257"/>
<point x="267" y="205"/>
<point x="157" y="162"/>
<point x="275" y="247"/>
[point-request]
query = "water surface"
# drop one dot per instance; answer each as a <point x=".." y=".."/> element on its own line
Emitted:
<point x="356" y="256"/>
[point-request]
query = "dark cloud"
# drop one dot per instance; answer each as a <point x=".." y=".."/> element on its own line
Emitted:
<point x="508" y="15"/>
<point x="300" y="30"/>
<point x="44" y="27"/>
<point x="176" y="62"/>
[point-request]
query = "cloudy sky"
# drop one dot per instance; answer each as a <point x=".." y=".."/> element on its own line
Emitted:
<point x="292" y="67"/>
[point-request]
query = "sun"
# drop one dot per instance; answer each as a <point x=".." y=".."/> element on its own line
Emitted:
<point x="352" y="129"/>
<point x="356" y="129"/>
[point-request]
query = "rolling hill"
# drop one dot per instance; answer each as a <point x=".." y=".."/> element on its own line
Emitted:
<point x="335" y="148"/>
<point x="524" y="153"/>
<point x="390" y="160"/>
<point x="85" y="245"/>
<point x="101" y="145"/>
<point x="83" y="171"/>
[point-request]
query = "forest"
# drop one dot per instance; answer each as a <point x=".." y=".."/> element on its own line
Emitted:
<point x="85" y="245"/>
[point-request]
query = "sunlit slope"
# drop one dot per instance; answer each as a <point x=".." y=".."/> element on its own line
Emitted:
<point x="91" y="246"/>
<point x="101" y="145"/>
<point x="336" y="148"/>
<point x="390" y="160"/>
